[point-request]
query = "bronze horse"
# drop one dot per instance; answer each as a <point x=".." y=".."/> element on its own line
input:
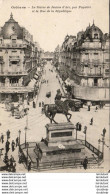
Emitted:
<point x="51" y="110"/>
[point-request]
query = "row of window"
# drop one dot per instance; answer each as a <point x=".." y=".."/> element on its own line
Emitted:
<point x="13" y="41"/>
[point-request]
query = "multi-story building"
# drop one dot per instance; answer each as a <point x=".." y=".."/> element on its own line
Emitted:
<point x="18" y="60"/>
<point x="85" y="59"/>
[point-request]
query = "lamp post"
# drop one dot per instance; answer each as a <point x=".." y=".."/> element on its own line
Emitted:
<point x="103" y="141"/>
<point x="27" y="145"/>
<point x="19" y="138"/>
<point x="76" y="130"/>
<point x="85" y="131"/>
<point x="99" y="141"/>
<point x="25" y="135"/>
<point x="26" y="123"/>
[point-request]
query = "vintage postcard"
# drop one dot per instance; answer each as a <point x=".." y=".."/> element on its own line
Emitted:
<point x="54" y="86"/>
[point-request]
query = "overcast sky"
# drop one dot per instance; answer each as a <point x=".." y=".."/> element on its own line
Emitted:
<point x="49" y="29"/>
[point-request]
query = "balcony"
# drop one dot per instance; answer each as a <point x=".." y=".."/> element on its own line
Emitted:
<point x="13" y="73"/>
<point x="89" y="74"/>
<point x="13" y="46"/>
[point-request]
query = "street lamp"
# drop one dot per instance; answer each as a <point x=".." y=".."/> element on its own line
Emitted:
<point x="99" y="141"/>
<point x="19" y="138"/>
<point x="25" y="135"/>
<point x="85" y="131"/>
<point x="26" y="124"/>
<point x="27" y="145"/>
<point x="103" y="141"/>
<point x="76" y="130"/>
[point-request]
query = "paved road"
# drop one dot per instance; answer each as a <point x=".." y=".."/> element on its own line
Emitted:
<point x="37" y="120"/>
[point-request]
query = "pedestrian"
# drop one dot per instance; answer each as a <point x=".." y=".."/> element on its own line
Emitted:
<point x="13" y="145"/>
<point x="17" y="141"/>
<point x="39" y="104"/>
<point x="91" y="121"/>
<point x="11" y="163"/>
<point x="96" y="108"/>
<point x="2" y="138"/>
<point x="42" y="104"/>
<point x="14" y="167"/>
<point x="29" y="166"/>
<point x="5" y="160"/>
<point x="80" y="126"/>
<point x="8" y="134"/>
<point x="88" y="107"/>
<point x="12" y="111"/>
<point x="11" y="159"/>
<point x="34" y="104"/>
<point x="7" y="146"/>
<point x="85" y="162"/>
<point x="77" y="126"/>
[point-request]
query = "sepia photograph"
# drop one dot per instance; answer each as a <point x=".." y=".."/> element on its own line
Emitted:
<point x="54" y="86"/>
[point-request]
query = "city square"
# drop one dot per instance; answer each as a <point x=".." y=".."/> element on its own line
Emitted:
<point x="30" y="82"/>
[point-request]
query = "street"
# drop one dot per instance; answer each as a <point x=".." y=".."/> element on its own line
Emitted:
<point x="36" y="121"/>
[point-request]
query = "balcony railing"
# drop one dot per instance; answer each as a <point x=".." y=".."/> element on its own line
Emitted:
<point x="13" y="45"/>
<point x="14" y="73"/>
<point x="89" y="74"/>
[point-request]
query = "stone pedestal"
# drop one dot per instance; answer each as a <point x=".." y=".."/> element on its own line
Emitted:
<point x="59" y="144"/>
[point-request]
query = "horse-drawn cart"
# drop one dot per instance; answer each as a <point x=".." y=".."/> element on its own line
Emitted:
<point x="19" y="113"/>
<point x="75" y="104"/>
<point x="48" y="94"/>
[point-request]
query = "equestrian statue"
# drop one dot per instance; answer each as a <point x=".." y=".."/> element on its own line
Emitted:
<point x="61" y="107"/>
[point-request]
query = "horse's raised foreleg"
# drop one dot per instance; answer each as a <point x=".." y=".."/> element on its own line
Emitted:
<point x="68" y="119"/>
<point x="53" y="115"/>
<point x="69" y="115"/>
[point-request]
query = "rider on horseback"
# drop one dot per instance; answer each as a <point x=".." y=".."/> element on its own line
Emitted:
<point x="58" y="101"/>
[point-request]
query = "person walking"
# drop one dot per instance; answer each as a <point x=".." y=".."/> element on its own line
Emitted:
<point x="42" y="104"/>
<point x="88" y="107"/>
<point x="29" y="166"/>
<point x="5" y="160"/>
<point x="91" y="121"/>
<point x="13" y="145"/>
<point x="85" y="163"/>
<point x="39" y="104"/>
<point x="7" y="146"/>
<point x="17" y="141"/>
<point x="2" y="138"/>
<point x="96" y="108"/>
<point x="80" y="126"/>
<point x="34" y="104"/>
<point x="8" y="134"/>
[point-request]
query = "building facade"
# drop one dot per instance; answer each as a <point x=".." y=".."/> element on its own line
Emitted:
<point x="18" y="60"/>
<point x="85" y="59"/>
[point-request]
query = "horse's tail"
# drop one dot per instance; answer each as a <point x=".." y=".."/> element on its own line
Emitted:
<point x="46" y="108"/>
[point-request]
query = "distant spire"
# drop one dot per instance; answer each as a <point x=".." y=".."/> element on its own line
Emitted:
<point x="89" y="25"/>
<point x="93" y="21"/>
<point x="11" y="16"/>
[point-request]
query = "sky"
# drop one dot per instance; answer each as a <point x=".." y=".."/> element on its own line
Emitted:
<point x="50" y="29"/>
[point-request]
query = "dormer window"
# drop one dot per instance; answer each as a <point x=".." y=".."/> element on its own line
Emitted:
<point x="96" y="36"/>
<point x="13" y="41"/>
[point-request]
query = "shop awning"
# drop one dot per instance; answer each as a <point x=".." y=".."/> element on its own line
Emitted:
<point x="36" y="77"/>
<point x="32" y="83"/>
<point x="16" y="90"/>
<point x="69" y="82"/>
